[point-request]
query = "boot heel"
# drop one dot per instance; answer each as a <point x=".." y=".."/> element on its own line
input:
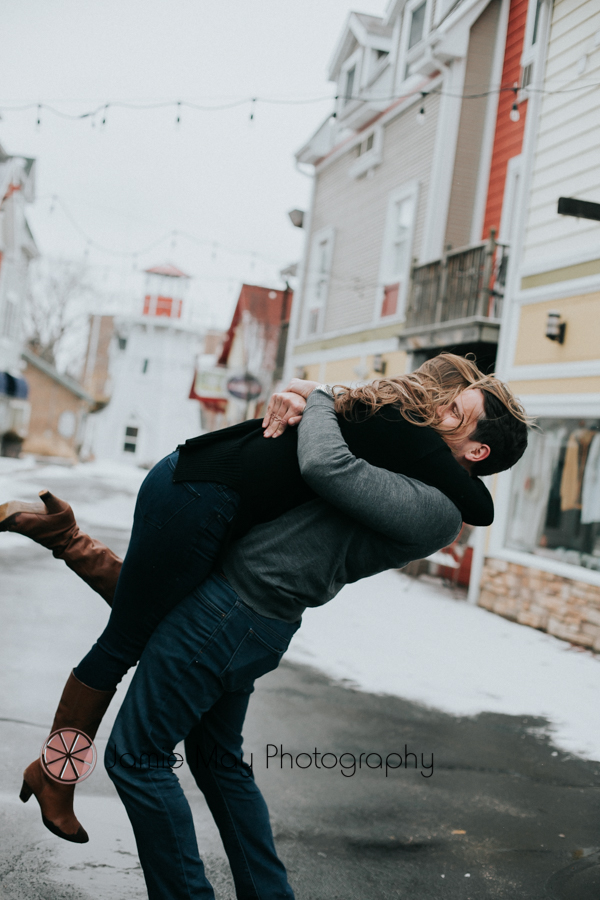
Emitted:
<point x="26" y="792"/>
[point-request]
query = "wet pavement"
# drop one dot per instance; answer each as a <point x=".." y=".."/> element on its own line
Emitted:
<point x="486" y="808"/>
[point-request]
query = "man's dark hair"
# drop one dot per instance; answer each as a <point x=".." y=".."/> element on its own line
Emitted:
<point x="503" y="432"/>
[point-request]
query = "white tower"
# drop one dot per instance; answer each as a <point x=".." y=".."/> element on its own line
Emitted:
<point x="151" y="372"/>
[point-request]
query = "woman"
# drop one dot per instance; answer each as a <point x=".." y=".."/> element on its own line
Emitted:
<point x="216" y="487"/>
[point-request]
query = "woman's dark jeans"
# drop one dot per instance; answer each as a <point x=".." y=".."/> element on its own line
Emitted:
<point x="178" y="529"/>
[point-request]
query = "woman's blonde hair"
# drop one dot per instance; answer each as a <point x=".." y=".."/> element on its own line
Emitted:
<point x="420" y="394"/>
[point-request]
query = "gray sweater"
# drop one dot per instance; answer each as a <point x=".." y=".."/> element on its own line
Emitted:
<point x="368" y="520"/>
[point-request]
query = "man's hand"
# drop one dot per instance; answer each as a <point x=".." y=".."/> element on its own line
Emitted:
<point x="302" y="387"/>
<point x="284" y="409"/>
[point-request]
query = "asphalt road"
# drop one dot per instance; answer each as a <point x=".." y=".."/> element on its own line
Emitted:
<point x="502" y="813"/>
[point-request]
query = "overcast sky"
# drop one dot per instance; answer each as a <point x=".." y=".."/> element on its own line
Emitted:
<point x="217" y="175"/>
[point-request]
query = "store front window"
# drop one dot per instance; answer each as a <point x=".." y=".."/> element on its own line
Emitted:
<point x="555" y="493"/>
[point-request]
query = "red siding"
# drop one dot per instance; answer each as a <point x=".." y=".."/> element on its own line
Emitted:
<point x="508" y="137"/>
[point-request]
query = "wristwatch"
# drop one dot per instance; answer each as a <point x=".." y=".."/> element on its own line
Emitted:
<point x="326" y="389"/>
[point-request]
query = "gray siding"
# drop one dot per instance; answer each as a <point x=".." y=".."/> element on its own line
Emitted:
<point x="357" y="209"/>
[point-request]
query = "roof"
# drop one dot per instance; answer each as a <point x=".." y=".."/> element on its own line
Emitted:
<point x="374" y="24"/>
<point x="69" y="383"/>
<point x="367" y="31"/>
<point x="168" y="269"/>
<point x="266" y="305"/>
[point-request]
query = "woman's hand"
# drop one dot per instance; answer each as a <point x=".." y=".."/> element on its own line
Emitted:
<point x="284" y="409"/>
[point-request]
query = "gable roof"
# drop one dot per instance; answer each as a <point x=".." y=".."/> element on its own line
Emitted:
<point x="368" y="31"/>
<point x="266" y="305"/>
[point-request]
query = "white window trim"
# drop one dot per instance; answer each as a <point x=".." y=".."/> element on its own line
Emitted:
<point x="345" y="107"/>
<point x="370" y="158"/>
<point x="531" y="52"/>
<point x="324" y="234"/>
<point x="407" y="56"/>
<point x="555" y="406"/>
<point x="410" y="189"/>
<point x="514" y="172"/>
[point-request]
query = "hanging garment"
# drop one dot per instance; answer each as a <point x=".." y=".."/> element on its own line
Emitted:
<point x="531" y="486"/>
<point x="590" y="489"/>
<point x="578" y="446"/>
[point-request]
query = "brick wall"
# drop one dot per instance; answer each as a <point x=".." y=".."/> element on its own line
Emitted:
<point x="567" y="609"/>
<point x="48" y="401"/>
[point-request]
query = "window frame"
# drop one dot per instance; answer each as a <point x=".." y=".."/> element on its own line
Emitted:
<point x="388" y="277"/>
<point x="371" y="157"/>
<point x="567" y="406"/>
<point x="323" y="235"/>
<point x="408" y="54"/>
<point x="354" y="61"/>
<point x="531" y="51"/>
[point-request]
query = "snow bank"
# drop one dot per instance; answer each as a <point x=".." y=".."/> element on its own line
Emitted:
<point x="394" y="635"/>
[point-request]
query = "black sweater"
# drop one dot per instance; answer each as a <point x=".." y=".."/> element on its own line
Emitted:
<point x="266" y="474"/>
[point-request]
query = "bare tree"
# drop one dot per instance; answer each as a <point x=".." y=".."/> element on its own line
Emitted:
<point x="56" y="312"/>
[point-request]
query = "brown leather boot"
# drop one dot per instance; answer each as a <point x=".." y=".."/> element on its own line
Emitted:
<point x="83" y="708"/>
<point x="52" y="524"/>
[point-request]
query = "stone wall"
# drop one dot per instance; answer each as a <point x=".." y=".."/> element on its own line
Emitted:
<point x="567" y="609"/>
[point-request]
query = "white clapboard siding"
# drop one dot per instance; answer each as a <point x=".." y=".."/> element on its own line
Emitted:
<point x="567" y="158"/>
<point x="357" y="208"/>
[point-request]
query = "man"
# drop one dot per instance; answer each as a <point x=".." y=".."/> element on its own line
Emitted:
<point x="198" y="670"/>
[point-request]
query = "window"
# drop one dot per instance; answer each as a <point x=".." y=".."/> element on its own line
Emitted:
<point x="555" y="494"/>
<point x="145" y="365"/>
<point x="397" y="250"/>
<point x="531" y="47"/>
<point x="417" y="24"/>
<point x="9" y="317"/>
<point x="317" y="285"/>
<point x="122" y="343"/>
<point x="350" y="75"/>
<point x="414" y="31"/>
<point x="131" y="436"/>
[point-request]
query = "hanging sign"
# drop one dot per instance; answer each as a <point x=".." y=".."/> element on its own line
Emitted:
<point x="244" y="387"/>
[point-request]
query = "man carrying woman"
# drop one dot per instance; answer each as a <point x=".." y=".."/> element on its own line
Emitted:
<point x="213" y="636"/>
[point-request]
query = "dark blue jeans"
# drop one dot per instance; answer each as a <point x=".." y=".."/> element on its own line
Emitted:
<point x="178" y="530"/>
<point x="193" y="682"/>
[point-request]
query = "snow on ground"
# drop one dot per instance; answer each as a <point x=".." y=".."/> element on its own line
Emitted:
<point x="392" y="634"/>
<point x="389" y="634"/>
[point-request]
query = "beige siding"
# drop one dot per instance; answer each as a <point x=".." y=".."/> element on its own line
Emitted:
<point x="567" y="160"/>
<point x="472" y="121"/>
<point x="357" y="208"/>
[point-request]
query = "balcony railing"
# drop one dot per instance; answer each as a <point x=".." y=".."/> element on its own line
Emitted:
<point x="464" y="283"/>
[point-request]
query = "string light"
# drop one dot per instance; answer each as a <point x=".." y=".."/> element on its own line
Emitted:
<point x="421" y="113"/>
<point x="178" y="119"/>
<point x="282" y="101"/>
<point x="514" y="113"/>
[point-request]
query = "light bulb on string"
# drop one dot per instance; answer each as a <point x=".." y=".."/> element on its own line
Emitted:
<point x="252" y="109"/>
<point x="103" y="123"/>
<point x="39" y="116"/>
<point x="178" y="119"/>
<point x="514" y="113"/>
<point x="421" y="113"/>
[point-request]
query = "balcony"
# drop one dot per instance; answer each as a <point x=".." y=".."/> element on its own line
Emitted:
<point x="456" y="299"/>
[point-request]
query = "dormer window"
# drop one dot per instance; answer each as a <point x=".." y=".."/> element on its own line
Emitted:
<point x="367" y="145"/>
<point x="350" y="76"/>
<point x="417" y="25"/>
